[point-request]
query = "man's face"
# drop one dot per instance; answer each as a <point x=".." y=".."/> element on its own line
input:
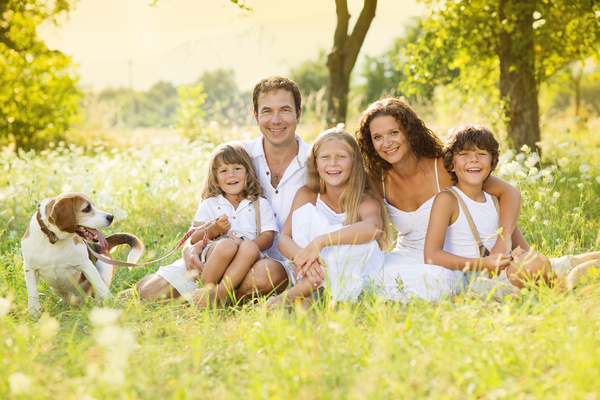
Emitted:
<point x="277" y="118"/>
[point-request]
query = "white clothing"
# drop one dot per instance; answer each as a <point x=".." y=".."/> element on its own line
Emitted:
<point x="293" y="179"/>
<point x="242" y="219"/>
<point x="243" y="225"/>
<point x="346" y="265"/>
<point x="406" y="275"/>
<point x="459" y="236"/>
<point x="461" y="242"/>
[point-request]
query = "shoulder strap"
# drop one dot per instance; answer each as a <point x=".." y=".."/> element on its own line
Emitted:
<point x="496" y="204"/>
<point x="257" y="217"/>
<point x="465" y="209"/>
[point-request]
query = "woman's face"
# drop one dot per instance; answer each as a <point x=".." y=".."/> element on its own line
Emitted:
<point x="388" y="139"/>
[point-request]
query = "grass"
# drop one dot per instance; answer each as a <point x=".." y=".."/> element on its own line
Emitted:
<point x="545" y="344"/>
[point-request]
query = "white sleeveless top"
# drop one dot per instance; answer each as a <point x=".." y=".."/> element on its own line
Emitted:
<point x="332" y="215"/>
<point x="411" y="226"/>
<point x="459" y="237"/>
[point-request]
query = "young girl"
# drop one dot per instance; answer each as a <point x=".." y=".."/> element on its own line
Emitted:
<point x="334" y="221"/>
<point x="245" y="223"/>
<point x="470" y="155"/>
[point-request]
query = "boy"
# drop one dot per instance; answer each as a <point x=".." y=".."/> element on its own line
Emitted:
<point x="470" y="155"/>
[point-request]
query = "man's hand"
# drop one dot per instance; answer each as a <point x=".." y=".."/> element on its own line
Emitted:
<point x="191" y="258"/>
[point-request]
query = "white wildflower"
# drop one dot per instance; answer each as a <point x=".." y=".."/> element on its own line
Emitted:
<point x="48" y="327"/>
<point x="598" y="179"/>
<point x="563" y="162"/>
<point x="533" y="218"/>
<point x="556" y="194"/>
<point x="583" y="168"/>
<point x="103" y="316"/>
<point x="18" y="383"/>
<point x="532" y="160"/>
<point x="5" y="304"/>
<point x="526" y="149"/>
<point x="580" y="185"/>
<point x="533" y="171"/>
<point x="537" y="205"/>
<point x="341" y="125"/>
<point x="546" y="222"/>
<point x="119" y="213"/>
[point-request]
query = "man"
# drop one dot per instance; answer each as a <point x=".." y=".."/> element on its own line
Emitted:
<point x="279" y="156"/>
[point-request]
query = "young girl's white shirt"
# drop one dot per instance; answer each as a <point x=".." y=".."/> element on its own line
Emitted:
<point x="459" y="237"/>
<point x="242" y="219"/>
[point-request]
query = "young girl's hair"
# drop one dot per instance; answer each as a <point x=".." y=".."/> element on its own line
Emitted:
<point x="231" y="153"/>
<point x="467" y="137"/>
<point x="359" y="182"/>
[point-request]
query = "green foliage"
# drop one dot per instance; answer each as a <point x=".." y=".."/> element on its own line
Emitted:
<point x="543" y="345"/>
<point x="224" y="104"/>
<point x="38" y="93"/>
<point x="311" y="75"/>
<point x="190" y="110"/>
<point x="463" y="36"/>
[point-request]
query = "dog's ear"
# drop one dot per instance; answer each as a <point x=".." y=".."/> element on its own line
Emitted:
<point x="62" y="214"/>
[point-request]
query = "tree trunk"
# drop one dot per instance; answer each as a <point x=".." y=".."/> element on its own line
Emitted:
<point x="343" y="57"/>
<point x="518" y="85"/>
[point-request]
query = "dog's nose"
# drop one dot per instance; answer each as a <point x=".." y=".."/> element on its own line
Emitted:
<point x="110" y="218"/>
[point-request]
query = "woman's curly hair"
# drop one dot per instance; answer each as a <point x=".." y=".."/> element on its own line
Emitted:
<point x="423" y="142"/>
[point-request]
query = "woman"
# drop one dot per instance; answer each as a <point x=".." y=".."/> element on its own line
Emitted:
<point x="404" y="157"/>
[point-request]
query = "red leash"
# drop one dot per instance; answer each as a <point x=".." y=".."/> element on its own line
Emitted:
<point x="126" y="264"/>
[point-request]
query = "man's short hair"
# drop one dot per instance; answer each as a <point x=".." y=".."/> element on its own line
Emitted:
<point x="274" y="83"/>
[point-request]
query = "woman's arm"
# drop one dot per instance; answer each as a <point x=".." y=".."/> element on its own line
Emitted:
<point x="510" y="206"/>
<point x="444" y="212"/>
<point x="286" y="245"/>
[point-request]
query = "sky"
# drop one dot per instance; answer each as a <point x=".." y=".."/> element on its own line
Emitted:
<point x="118" y="43"/>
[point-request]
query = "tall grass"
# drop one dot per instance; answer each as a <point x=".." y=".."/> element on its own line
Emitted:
<point x="545" y="344"/>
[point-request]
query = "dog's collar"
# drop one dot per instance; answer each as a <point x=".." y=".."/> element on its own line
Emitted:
<point x="51" y="235"/>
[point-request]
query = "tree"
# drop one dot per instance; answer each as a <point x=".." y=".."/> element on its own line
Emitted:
<point x="38" y="93"/>
<point x="343" y="55"/>
<point x="517" y="44"/>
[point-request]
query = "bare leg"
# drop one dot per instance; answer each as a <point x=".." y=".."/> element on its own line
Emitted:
<point x="579" y="272"/>
<point x="266" y="276"/>
<point x="529" y="267"/>
<point x="218" y="260"/>
<point x="581" y="258"/>
<point x="152" y="287"/>
<point x="303" y="289"/>
<point x="246" y="255"/>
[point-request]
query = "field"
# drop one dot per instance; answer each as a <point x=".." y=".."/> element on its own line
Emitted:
<point x="543" y="345"/>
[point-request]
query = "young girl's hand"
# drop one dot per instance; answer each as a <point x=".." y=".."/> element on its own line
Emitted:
<point x="307" y="255"/>
<point x="313" y="272"/>
<point x="236" y="239"/>
<point x="222" y="224"/>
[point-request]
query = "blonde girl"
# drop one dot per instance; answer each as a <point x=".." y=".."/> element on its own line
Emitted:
<point x="336" y="226"/>
<point x="231" y="195"/>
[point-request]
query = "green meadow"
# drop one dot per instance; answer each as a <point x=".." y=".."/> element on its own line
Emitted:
<point x="545" y="344"/>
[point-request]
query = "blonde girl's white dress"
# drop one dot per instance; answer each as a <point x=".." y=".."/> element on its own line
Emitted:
<point x="347" y="265"/>
<point x="406" y="275"/>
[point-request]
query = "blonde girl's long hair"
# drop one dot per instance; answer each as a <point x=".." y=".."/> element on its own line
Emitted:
<point x="359" y="183"/>
<point x="231" y="153"/>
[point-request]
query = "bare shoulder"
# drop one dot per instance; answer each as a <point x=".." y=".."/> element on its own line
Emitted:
<point x="305" y="195"/>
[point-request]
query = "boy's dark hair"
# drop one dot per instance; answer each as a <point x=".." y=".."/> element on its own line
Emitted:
<point x="467" y="137"/>
<point x="274" y="83"/>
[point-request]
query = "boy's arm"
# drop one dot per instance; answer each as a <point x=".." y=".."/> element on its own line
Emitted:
<point x="445" y="211"/>
<point x="510" y="206"/>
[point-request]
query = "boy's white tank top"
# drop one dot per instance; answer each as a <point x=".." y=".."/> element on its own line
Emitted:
<point x="459" y="237"/>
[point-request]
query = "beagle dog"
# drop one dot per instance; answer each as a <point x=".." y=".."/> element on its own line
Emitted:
<point x="53" y="248"/>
